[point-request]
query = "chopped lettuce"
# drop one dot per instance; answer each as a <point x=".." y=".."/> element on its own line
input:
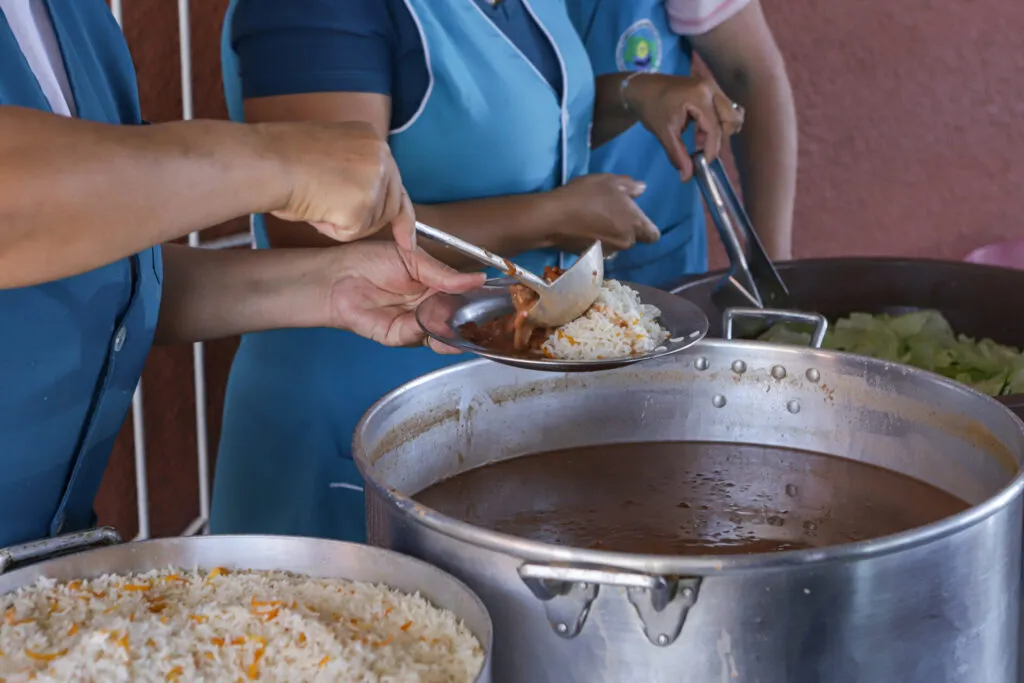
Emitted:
<point x="923" y="339"/>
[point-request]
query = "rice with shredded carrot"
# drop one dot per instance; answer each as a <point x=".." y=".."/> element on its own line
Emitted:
<point x="617" y="325"/>
<point x="175" y="625"/>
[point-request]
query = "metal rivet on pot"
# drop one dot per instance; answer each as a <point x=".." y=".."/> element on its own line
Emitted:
<point x="793" y="406"/>
<point x="813" y="375"/>
<point x="701" y="363"/>
<point x="662" y="639"/>
<point x="582" y="586"/>
<point x="687" y="592"/>
<point x="739" y="367"/>
<point x="779" y="372"/>
<point x="718" y="401"/>
<point x="562" y="628"/>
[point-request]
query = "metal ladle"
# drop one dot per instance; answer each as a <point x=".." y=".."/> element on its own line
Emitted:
<point x="561" y="301"/>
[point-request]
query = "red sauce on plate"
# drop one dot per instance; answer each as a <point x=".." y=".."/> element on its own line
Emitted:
<point x="512" y="334"/>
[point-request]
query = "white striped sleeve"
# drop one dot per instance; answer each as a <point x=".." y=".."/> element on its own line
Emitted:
<point x="696" y="17"/>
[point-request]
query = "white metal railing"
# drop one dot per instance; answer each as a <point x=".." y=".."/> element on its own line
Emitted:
<point x="199" y="524"/>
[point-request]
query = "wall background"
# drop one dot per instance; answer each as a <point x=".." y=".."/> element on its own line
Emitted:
<point x="911" y="143"/>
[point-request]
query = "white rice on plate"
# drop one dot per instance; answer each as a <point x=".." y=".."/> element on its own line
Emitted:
<point x="176" y="625"/>
<point x="617" y="325"/>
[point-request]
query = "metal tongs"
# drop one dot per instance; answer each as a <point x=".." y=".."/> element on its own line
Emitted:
<point x="561" y="301"/>
<point x="752" y="279"/>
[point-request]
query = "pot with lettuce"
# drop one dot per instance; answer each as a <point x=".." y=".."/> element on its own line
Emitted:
<point x="923" y="339"/>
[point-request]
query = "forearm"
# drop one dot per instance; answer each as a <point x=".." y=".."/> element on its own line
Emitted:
<point x="210" y="294"/>
<point x="508" y="225"/>
<point x="76" y="195"/>
<point x="766" y="156"/>
<point x="611" y="117"/>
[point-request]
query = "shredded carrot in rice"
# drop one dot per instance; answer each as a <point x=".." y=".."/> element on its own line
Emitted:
<point x="182" y="620"/>
<point x="254" y="668"/>
<point x="45" y="657"/>
<point x="266" y="603"/>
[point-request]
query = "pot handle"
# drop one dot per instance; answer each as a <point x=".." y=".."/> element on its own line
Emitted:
<point x="776" y="315"/>
<point x="568" y="592"/>
<point x="65" y="544"/>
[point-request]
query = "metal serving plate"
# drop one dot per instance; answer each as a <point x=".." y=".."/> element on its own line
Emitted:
<point x="442" y="315"/>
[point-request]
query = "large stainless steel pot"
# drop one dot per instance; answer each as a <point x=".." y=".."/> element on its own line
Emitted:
<point x="311" y="556"/>
<point x="937" y="603"/>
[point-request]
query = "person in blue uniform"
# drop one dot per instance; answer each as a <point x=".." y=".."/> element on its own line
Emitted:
<point x="490" y="109"/>
<point x="657" y="37"/>
<point x="87" y="194"/>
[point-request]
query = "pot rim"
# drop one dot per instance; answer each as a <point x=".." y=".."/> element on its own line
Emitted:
<point x="695" y="280"/>
<point x="695" y="565"/>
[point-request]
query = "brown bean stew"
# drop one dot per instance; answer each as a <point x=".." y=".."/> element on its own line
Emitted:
<point x="686" y="498"/>
<point x="512" y="334"/>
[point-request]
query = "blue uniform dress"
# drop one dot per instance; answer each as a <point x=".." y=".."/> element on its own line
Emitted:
<point x="634" y="35"/>
<point x="71" y="351"/>
<point x="485" y="119"/>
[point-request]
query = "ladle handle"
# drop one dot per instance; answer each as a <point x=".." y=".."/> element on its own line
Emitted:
<point x="482" y="255"/>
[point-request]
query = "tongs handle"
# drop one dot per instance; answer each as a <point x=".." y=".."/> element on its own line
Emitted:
<point x="482" y="255"/>
<point x="760" y="280"/>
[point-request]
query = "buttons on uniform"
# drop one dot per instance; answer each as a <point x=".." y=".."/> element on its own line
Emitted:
<point x="119" y="338"/>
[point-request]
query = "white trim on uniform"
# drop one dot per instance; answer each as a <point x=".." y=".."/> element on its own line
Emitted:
<point x="345" y="485"/>
<point x="563" y="103"/>
<point x="430" y="72"/>
<point x="514" y="46"/>
<point x="30" y="23"/>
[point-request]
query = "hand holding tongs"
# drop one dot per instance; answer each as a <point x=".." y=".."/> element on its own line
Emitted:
<point x="752" y="279"/>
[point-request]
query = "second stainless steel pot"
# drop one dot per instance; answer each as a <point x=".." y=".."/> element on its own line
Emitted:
<point x="936" y="603"/>
<point x="57" y="558"/>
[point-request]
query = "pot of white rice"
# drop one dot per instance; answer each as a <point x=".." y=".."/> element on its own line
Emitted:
<point x="230" y="608"/>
